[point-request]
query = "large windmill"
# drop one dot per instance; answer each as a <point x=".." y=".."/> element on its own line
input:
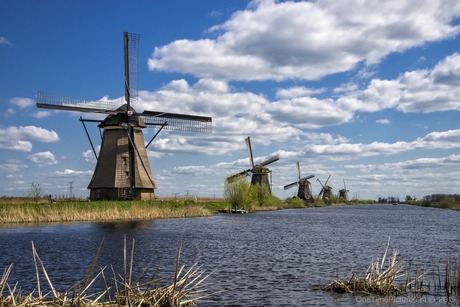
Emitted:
<point x="343" y="193"/>
<point x="122" y="170"/>
<point x="260" y="172"/>
<point x="304" y="191"/>
<point x="326" y="190"/>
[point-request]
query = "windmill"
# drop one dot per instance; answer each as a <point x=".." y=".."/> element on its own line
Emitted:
<point x="259" y="172"/>
<point x="343" y="193"/>
<point x="326" y="190"/>
<point x="304" y="191"/>
<point x="122" y="169"/>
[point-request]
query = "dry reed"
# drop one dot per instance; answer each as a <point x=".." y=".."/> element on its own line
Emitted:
<point x="378" y="279"/>
<point x="88" y="211"/>
<point x="185" y="287"/>
<point x="384" y="277"/>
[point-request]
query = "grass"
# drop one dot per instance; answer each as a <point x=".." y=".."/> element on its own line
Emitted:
<point x="184" y="287"/>
<point x="70" y="211"/>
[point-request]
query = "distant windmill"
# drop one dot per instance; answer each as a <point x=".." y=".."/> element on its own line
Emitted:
<point x="122" y="169"/>
<point x="326" y="190"/>
<point x="304" y="191"/>
<point x="259" y="172"/>
<point x="343" y="193"/>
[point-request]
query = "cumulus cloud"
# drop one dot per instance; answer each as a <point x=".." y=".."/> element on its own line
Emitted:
<point x="346" y="151"/>
<point x="22" y="102"/>
<point x="416" y="164"/>
<point x="419" y="91"/>
<point x="88" y="155"/>
<point x="43" y="158"/>
<point x="20" y="138"/>
<point x="307" y="40"/>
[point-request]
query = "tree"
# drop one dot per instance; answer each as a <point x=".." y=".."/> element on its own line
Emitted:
<point x="238" y="193"/>
<point x="35" y="191"/>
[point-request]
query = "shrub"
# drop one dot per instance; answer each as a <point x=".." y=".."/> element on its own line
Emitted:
<point x="238" y="193"/>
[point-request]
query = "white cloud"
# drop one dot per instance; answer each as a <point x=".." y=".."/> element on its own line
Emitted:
<point x="4" y="41"/>
<point x="22" y="102"/>
<point x="43" y="158"/>
<point x="383" y="121"/>
<point x="42" y="114"/>
<point x="88" y="155"/>
<point x="348" y="151"/>
<point x="15" y="145"/>
<point x="420" y="91"/>
<point x="70" y="172"/>
<point x="31" y="133"/>
<point x="12" y="166"/>
<point x="297" y="91"/>
<point x="308" y="40"/>
<point x="19" y="138"/>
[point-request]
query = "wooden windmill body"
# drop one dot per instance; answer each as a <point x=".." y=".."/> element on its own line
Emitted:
<point x="304" y="190"/>
<point x="343" y="193"/>
<point x="326" y="190"/>
<point x="260" y="173"/>
<point x="123" y="169"/>
<point x="111" y="177"/>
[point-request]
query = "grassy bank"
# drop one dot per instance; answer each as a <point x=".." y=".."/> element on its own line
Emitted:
<point x="25" y="210"/>
<point x="72" y="211"/>
<point x="443" y="204"/>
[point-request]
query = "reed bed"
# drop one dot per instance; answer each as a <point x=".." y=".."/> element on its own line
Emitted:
<point x="185" y="287"/>
<point x="95" y="211"/>
<point x="389" y="276"/>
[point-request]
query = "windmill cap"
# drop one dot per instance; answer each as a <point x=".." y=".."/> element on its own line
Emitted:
<point x="120" y="118"/>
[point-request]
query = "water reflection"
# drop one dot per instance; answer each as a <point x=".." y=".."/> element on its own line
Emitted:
<point x="268" y="258"/>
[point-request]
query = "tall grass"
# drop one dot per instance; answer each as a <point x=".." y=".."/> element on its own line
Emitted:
<point x="184" y="287"/>
<point x="96" y="211"/>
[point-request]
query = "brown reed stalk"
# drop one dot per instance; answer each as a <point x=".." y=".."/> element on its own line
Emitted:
<point x="447" y="281"/>
<point x="458" y="276"/>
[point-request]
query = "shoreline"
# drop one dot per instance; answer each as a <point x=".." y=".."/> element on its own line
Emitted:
<point x="125" y="211"/>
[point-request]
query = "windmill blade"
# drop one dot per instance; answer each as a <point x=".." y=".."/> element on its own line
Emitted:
<point x="238" y="176"/>
<point x="327" y="179"/>
<point x="131" y="56"/>
<point x="288" y="186"/>
<point x="270" y="160"/>
<point x="308" y="177"/>
<point x="320" y="183"/>
<point x="298" y="168"/>
<point x="321" y="192"/>
<point x="249" y="147"/>
<point x="175" y="121"/>
<point x="344" y="185"/>
<point x="58" y="102"/>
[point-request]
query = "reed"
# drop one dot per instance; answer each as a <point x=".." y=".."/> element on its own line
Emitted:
<point x="96" y="211"/>
<point x="184" y="287"/>
<point x="389" y="276"/>
<point x="378" y="279"/>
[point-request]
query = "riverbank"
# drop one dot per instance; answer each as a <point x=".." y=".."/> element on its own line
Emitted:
<point x="79" y="211"/>
<point x="24" y="211"/>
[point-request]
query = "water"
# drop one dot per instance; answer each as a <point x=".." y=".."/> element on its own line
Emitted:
<point x="264" y="259"/>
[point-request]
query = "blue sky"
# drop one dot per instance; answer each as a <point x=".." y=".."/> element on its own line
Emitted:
<point x="367" y="92"/>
